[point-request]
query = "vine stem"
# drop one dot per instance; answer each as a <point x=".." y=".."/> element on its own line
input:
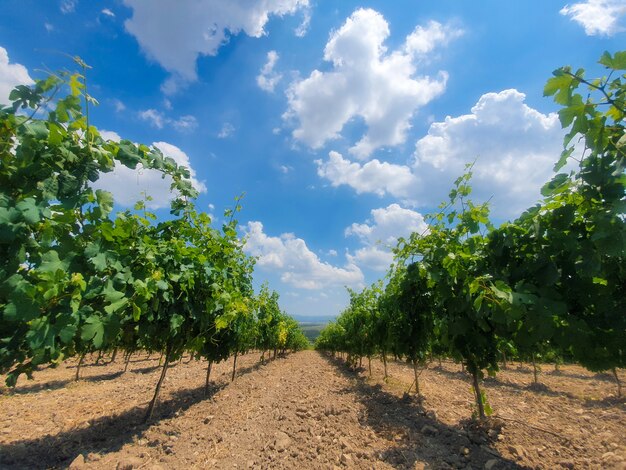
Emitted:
<point x="150" y="410"/>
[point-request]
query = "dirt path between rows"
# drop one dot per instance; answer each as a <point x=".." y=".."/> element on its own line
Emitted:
<point x="305" y="411"/>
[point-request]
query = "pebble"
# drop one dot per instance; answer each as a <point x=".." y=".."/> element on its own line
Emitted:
<point x="490" y="464"/>
<point x="129" y="463"/>
<point x="347" y="460"/>
<point x="78" y="463"/>
<point x="282" y="441"/>
<point x="517" y="451"/>
<point x="428" y="429"/>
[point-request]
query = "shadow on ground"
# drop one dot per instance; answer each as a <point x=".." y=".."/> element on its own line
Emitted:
<point x="102" y="435"/>
<point x="416" y="435"/>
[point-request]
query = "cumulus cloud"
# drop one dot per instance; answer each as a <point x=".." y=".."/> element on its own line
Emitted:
<point x="175" y="33"/>
<point x="366" y="82"/>
<point x="297" y="264"/>
<point x="131" y="185"/>
<point x="372" y="177"/>
<point x="514" y="145"/>
<point x="268" y="78"/>
<point x="598" y="17"/>
<point x="425" y="39"/>
<point x="11" y="75"/>
<point x="380" y="233"/>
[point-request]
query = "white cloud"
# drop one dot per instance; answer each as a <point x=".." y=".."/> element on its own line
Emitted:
<point x="109" y="135"/>
<point x="68" y="6"/>
<point x="174" y="84"/>
<point x="514" y="145"/>
<point x="11" y="75"/>
<point x="379" y="234"/>
<point x="186" y="123"/>
<point x="129" y="185"/>
<point x="49" y="27"/>
<point x="366" y="82"/>
<point x="387" y="225"/>
<point x="598" y="17"/>
<point x="226" y="131"/>
<point x="154" y="117"/>
<point x="297" y="264"/>
<point x="303" y="27"/>
<point x="268" y="78"/>
<point x="372" y="177"/>
<point x="108" y="12"/>
<point x="157" y="119"/>
<point x="175" y="33"/>
<point x="372" y="257"/>
<point x="118" y="104"/>
<point x="424" y="40"/>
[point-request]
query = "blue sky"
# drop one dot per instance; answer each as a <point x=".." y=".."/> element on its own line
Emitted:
<point x="343" y="122"/>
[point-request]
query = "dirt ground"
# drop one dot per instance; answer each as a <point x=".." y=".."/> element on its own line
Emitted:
<point x="308" y="411"/>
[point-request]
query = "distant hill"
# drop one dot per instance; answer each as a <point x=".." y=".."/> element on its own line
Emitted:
<point x="312" y="324"/>
<point x="312" y="330"/>
<point x="314" y="318"/>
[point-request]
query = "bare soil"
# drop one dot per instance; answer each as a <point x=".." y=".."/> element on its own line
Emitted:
<point x="309" y="411"/>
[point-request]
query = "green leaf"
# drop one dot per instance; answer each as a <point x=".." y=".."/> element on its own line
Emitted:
<point x="555" y="185"/>
<point x="616" y="62"/>
<point x="93" y="331"/>
<point x="559" y="85"/>
<point x="67" y="332"/>
<point x="176" y="322"/>
<point x="29" y="211"/>
<point x="50" y="263"/>
<point x="128" y="155"/>
<point x="76" y="86"/>
<point x="105" y="201"/>
<point x="56" y="135"/>
<point x="20" y="308"/>
<point x="116" y="305"/>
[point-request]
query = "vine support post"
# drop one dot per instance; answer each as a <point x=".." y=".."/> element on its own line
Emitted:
<point x="369" y="364"/>
<point x="534" y="369"/>
<point x="504" y="364"/>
